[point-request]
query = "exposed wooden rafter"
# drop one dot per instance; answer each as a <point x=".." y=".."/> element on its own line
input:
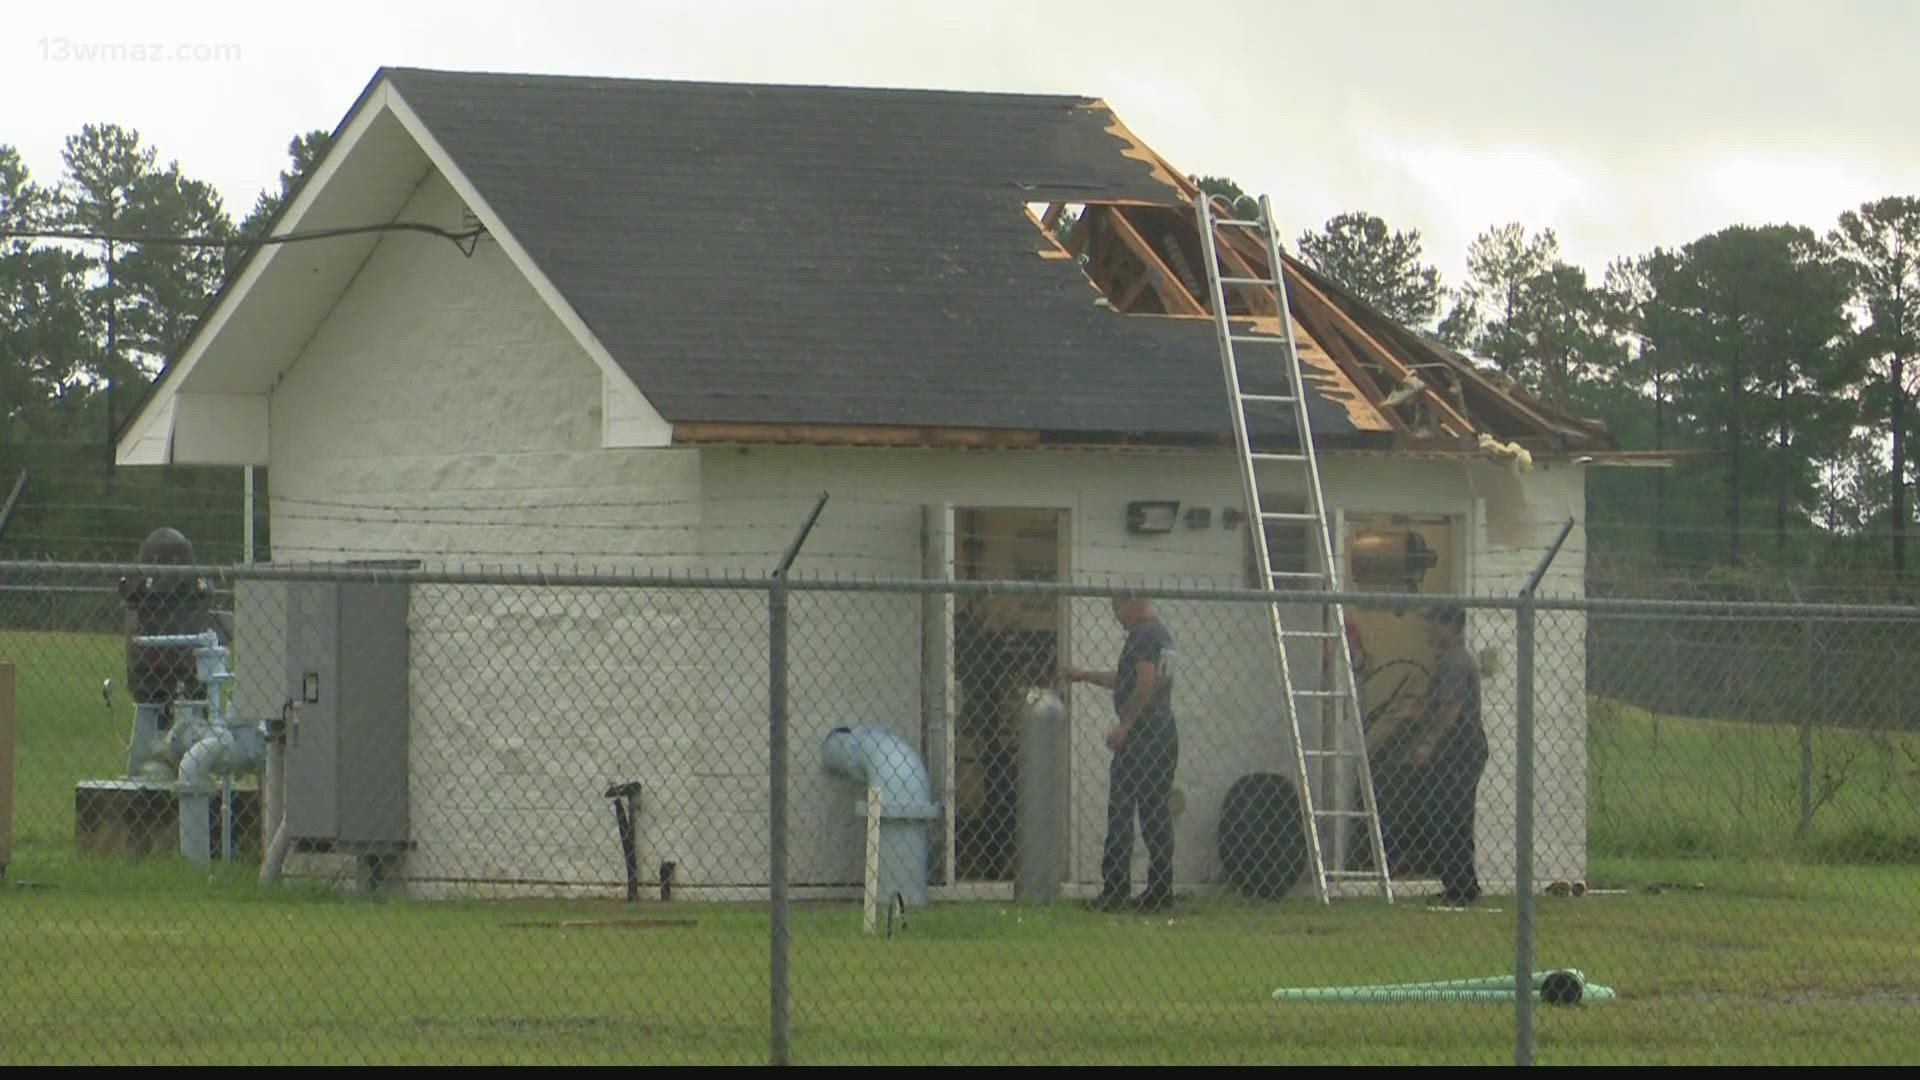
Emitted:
<point x="1166" y="284"/>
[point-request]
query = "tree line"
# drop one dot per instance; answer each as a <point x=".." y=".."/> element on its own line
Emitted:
<point x="86" y="325"/>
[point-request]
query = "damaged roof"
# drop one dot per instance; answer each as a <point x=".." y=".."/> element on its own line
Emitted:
<point x="817" y="255"/>
<point x="824" y="264"/>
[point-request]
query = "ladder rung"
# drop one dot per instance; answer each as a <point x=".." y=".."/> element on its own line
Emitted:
<point x="1258" y="339"/>
<point x="1268" y="282"/>
<point x="1276" y="399"/>
<point x="1296" y="575"/>
<point x="1236" y="221"/>
<point x="1330" y="753"/>
<point x="1296" y="459"/>
<point x="1320" y="693"/>
<point x="1322" y="634"/>
<point x="1275" y="515"/>
<point x="1368" y="875"/>
<point x="1340" y="813"/>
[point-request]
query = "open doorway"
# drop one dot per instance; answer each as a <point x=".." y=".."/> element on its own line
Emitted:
<point x="1393" y="659"/>
<point x="1395" y="553"/>
<point x="1003" y="645"/>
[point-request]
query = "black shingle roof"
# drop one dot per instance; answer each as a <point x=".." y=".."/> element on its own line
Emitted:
<point x="819" y="255"/>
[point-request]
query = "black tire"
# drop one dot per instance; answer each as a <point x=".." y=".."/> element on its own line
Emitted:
<point x="1263" y="850"/>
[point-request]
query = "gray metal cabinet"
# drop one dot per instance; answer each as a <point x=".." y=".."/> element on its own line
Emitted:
<point x="347" y="751"/>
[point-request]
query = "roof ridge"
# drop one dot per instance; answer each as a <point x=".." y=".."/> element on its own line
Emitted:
<point x="577" y="80"/>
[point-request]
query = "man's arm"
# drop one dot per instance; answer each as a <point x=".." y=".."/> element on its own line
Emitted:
<point x="1098" y="678"/>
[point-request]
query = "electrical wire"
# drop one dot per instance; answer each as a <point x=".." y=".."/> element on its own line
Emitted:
<point x="466" y="240"/>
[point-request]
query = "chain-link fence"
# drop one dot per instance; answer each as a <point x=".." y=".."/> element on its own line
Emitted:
<point x="389" y="814"/>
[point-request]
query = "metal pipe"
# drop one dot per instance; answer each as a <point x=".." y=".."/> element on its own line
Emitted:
<point x="270" y="787"/>
<point x="247" y="508"/>
<point x="276" y="855"/>
<point x="222" y="752"/>
<point x="900" y="806"/>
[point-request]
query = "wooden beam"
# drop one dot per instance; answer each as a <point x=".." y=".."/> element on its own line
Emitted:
<point x="1077" y="236"/>
<point x="1054" y="210"/>
<point x="1499" y="395"/>
<point x="1126" y="301"/>
<point x="855" y="435"/>
<point x="1173" y="294"/>
<point x="1399" y="369"/>
<point x="1515" y="405"/>
<point x="1342" y="354"/>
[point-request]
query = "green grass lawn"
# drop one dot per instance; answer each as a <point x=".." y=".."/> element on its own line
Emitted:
<point x="1663" y="786"/>
<point x="1762" y="966"/>
<point x="1785" y="955"/>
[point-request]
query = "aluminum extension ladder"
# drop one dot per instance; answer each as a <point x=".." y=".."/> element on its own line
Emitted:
<point x="1288" y="468"/>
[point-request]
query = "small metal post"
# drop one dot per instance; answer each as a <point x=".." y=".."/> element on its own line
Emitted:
<point x="246" y="527"/>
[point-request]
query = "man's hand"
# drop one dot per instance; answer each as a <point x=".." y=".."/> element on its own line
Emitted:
<point x="1423" y="755"/>
<point x="1118" y="736"/>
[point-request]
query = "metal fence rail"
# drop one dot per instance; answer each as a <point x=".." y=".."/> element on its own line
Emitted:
<point x="389" y="814"/>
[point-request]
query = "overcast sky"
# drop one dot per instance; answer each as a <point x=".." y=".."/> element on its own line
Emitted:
<point x="1620" y="124"/>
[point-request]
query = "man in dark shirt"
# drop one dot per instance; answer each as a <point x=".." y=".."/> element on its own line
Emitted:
<point x="1450" y="746"/>
<point x="1146" y="752"/>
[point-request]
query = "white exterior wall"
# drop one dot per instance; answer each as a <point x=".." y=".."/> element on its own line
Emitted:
<point x="856" y="659"/>
<point x="443" y="413"/>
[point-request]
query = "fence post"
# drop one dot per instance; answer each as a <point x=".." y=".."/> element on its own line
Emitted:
<point x="1805" y="827"/>
<point x="1523" y="832"/>
<point x="6" y="767"/>
<point x="777" y="999"/>
<point x="1523" y="807"/>
<point x="777" y="814"/>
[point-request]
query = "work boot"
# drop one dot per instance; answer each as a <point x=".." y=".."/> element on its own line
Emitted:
<point x="1153" y="902"/>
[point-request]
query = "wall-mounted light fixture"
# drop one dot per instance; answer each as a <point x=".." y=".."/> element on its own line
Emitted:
<point x="1198" y="517"/>
<point x="1152" y="515"/>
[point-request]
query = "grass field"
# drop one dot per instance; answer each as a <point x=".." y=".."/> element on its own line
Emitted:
<point x="1785" y="954"/>
<point x="1663" y="787"/>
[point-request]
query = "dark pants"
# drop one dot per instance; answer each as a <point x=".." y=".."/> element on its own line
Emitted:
<point x="1140" y="781"/>
<point x="1426" y="818"/>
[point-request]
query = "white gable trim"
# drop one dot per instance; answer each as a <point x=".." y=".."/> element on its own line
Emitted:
<point x="150" y="432"/>
<point x="149" y="437"/>
<point x="627" y="419"/>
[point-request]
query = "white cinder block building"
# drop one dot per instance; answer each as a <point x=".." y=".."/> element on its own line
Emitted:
<point x="673" y="315"/>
